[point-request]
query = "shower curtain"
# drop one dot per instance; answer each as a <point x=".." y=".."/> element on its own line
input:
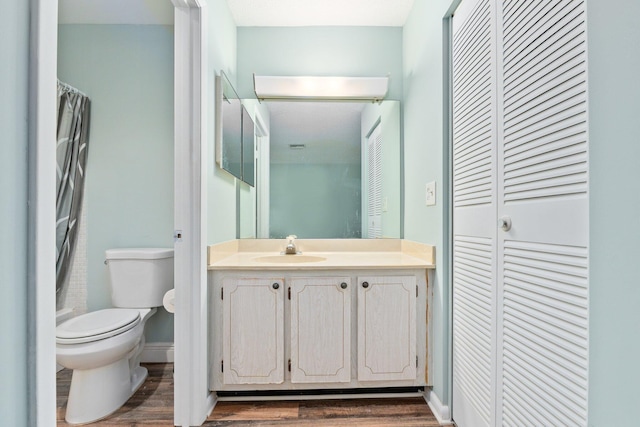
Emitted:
<point x="71" y="158"/>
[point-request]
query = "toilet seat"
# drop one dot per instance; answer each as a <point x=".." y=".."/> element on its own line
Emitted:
<point x="97" y="325"/>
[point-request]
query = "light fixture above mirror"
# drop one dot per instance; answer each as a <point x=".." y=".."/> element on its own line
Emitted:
<point x="320" y="88"/>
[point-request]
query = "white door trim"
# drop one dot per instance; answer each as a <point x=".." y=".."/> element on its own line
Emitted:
<point x="41" y="299"/>
<point x="192" y="399"/>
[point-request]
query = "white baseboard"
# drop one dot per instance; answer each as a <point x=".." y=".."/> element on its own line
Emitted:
<point x="440" y="411"/>
<point x="157" y="352"/>
<point x="343" y="396"/>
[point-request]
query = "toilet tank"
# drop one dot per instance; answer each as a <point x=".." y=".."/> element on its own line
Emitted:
<point x="139" y="277"/>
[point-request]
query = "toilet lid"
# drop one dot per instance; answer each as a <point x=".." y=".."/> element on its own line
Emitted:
<point x="97" y="325"/>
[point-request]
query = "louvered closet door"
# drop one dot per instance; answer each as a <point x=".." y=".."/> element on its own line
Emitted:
<point x="520" y="319"/>
<point x="542" y="188"/>
<point x="474" y="189"/>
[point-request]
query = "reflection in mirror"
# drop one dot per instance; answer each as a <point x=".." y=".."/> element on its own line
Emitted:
<point x="246" y="198"/>
<point x="248" y="148"/>
<point x="334" y="169"/>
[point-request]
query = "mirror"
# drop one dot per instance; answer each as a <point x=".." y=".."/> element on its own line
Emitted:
<point x="234" y="133"/>
<point x="228" y="127"/>
<point x="334" y="170"/>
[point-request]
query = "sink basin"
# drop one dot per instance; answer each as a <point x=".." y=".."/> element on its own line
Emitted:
<point x="287" y="259"/>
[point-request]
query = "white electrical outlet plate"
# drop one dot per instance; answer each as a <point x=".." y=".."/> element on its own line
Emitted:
<point x="430" y="195"/>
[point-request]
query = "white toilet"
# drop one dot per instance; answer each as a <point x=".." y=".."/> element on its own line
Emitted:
<point x="103" y="347"/>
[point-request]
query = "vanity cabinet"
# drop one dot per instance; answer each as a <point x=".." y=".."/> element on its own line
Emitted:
<point x="320" y="329"/>
<point x="387" y="328"/>
<point x="288" y="330"/>
<point x="253" y="336"/>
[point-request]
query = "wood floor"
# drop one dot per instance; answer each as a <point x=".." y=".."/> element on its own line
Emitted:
<point x="152" y="405"/>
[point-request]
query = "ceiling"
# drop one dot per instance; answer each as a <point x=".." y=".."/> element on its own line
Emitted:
<point x="270" y="13"/>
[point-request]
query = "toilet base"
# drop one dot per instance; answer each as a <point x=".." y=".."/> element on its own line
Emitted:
<point x="97" y="393"/>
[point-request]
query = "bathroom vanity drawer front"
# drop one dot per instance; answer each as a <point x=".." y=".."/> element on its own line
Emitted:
<point x="320" y="329"/>
<point x="253" y="338"/>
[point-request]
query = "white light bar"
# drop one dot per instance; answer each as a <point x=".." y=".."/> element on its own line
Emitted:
<point x="308" y="87"/>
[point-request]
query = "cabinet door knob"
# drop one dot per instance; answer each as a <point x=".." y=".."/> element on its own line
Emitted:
<point x="343" y="285"/>
<point x="275" y="285"/>
<point x="365" y="285"/>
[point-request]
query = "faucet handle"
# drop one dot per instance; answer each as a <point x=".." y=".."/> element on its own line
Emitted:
<point x="291" y="237"/>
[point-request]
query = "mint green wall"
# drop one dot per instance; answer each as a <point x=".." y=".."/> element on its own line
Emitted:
<point x="321" y="51"/>
<point x="221" y="186"/>
<point x="614" y="212"/>
<point x="127" y="71"/>
<point x="423" y="162"/>
<point x="14" y="76"/>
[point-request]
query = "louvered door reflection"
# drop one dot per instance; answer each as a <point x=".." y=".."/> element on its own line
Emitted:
<point x="543" y="169"/>
<point x="520" y="167"/>
<point x="374" y="183"/>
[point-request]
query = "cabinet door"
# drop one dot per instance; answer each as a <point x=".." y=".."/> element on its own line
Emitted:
<point x="320" y="330"/>
<point x="253" y="338"/>
<point x="386" y="328"/>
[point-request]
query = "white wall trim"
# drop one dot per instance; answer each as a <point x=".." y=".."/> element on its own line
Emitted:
<point x="158" y="352"/>
<point x="440" y="411"/>
<point x="192" y="399"/>
<point x="41" y="273"/>
<point x="293" y="396"/>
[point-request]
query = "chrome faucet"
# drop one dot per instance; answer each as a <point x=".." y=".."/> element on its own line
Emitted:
<point x="291" y="246"/>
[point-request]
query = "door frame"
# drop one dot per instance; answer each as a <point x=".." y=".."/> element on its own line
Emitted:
<point x="41" y="272"/>
<point x="447" y="197"/>
<point x="193" y="401"/>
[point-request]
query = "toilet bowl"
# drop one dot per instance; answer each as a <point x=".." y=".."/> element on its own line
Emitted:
<point x="103" y="347"/>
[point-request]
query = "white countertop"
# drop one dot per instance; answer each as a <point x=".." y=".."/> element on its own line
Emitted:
<point x="350" y="254"/>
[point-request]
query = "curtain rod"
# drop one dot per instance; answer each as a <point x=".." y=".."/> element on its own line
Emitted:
<point x="71" y="88"/>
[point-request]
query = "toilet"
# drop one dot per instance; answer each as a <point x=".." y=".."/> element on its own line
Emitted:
<point x="103" y="347"/>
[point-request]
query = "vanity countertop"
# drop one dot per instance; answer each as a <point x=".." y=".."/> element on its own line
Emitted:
<point x="321" y="254"/>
